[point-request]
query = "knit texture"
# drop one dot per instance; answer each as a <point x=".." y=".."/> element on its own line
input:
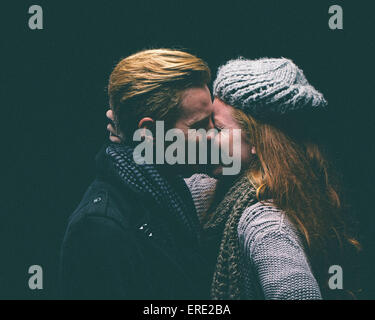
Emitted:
<point x="266" y="88"/>
<point x="202" y="189"/>
<point x="221" y="227"/>
<point x="273" y="264"/>
<point x="154" y="186"/>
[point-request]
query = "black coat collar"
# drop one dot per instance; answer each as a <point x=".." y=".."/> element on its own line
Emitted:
<point x="169" y="198"/>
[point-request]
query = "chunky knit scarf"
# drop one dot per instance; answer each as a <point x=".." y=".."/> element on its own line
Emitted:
<point x="171" y="196"/>
<point x="221" y="227"/>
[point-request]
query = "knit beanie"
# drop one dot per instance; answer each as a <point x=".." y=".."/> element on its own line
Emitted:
<point x="266" y="87"/>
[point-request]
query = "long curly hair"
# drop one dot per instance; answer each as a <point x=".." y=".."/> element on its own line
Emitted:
<point x="291" y="167"/>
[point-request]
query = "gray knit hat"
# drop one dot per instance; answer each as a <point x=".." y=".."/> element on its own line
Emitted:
<point x="266" y="87"/>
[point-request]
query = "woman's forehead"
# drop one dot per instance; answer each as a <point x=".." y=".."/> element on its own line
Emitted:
<point x="223" y="112"/>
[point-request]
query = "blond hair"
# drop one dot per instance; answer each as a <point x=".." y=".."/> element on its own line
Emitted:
<point x="150" y="84"/>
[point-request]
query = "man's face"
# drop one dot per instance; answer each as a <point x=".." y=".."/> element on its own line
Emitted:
<point x="196" y="113"/>
<point x="196" y="110"/>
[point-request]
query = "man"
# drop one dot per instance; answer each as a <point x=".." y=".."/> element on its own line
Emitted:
<point x="135" y="234"/>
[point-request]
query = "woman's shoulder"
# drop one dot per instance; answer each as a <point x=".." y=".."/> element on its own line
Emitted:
<point x="272" y="246"/>
<point x="262" y="215"/>
<point x="264" y="219"/>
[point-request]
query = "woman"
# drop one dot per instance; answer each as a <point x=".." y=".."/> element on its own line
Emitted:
<point x="280" y="226"/>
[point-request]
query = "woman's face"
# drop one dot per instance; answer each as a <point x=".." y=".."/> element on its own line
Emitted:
<point x="223" y="119"/>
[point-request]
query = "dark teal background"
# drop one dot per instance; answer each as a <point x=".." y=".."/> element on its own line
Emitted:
<point x="53" y="101"/>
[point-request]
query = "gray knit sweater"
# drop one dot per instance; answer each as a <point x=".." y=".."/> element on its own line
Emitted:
<point x="273" y="262"/>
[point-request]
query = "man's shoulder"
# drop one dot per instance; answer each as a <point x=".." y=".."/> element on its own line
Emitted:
<point x="102" y="202"/>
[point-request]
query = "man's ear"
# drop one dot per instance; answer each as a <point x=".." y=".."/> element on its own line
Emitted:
<point x="147" y="123"/>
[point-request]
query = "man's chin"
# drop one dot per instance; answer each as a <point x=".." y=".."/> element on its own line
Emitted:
<point x="188" y="170"/>
<point x="214" y="171"/>
<point x="217" y="173"/>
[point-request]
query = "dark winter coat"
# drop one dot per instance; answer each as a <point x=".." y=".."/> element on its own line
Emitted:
<point x="135" y="235"/>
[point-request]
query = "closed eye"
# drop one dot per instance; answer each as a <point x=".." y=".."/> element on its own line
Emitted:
<point x="217" y="126"/>
<point x="201" y="124"/>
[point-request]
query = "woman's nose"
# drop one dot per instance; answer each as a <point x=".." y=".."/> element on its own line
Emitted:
<point x="210" y="124"/>
<point x="211" y="133"/>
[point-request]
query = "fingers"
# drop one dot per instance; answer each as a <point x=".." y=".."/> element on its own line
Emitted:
<point x="114" y="139"/>
<point x="111" y="129"/>
<point x="110" y="115"/>
<point x="114" y="136"/>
